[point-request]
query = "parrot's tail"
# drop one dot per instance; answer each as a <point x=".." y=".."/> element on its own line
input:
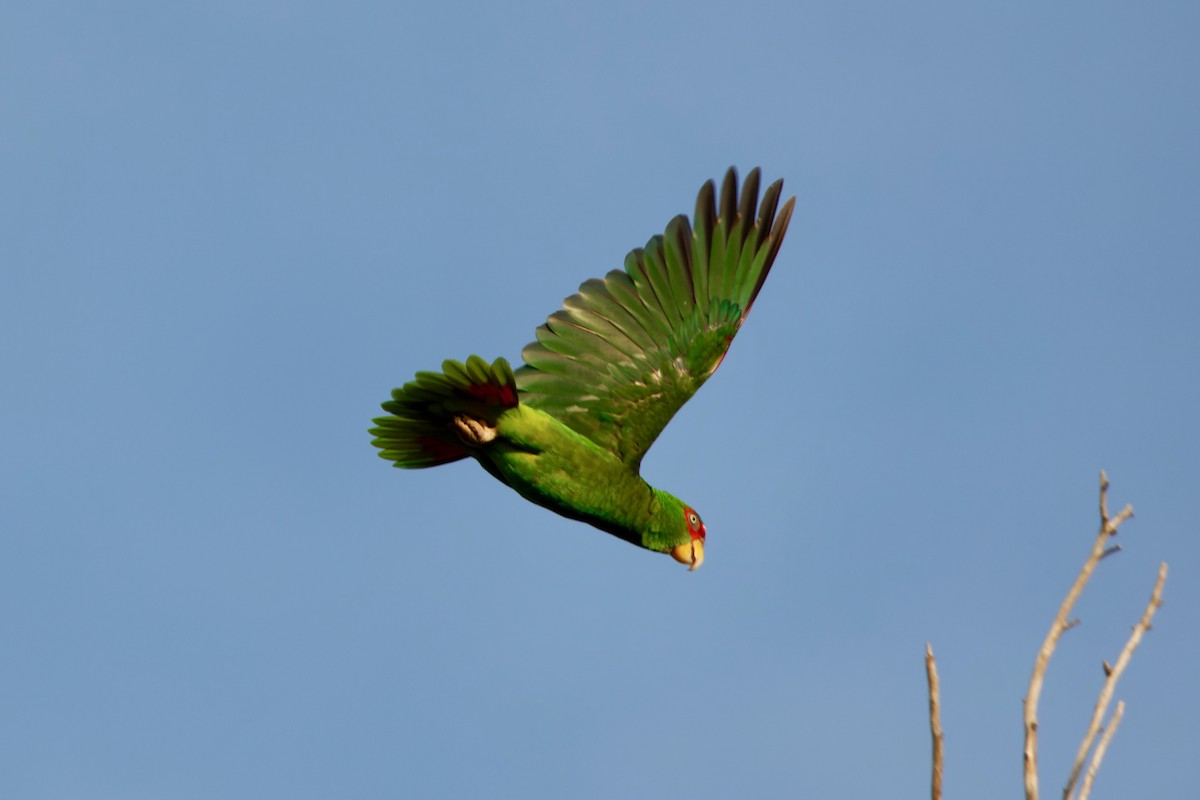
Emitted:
<point x="433" y="419"/>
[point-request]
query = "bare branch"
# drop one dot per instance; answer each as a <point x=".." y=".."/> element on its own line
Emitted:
<point x="935" y="719"/>
<point x="1108" y="528"/>
<point x="1108" y="524"/>
<point x="1112" y="675"/>
<point x="1098" y="756"/>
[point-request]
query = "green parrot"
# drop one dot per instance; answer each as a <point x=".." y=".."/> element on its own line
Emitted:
<point x="568" y="430"/>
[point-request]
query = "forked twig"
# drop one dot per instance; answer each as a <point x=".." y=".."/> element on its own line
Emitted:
<point x="935" y="719"/>
<point x="1098" y="756"/>
<point x="1108" y="528"/>
<point x="1112" y="675"/>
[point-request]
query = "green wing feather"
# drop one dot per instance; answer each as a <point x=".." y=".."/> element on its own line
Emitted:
<point x="417" y="431"/>
<point x="626" y="352"/>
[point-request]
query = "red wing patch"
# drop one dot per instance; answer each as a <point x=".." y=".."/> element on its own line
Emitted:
<point x="728" y="341"/>
<point x="493" y="395"/>
<point x="442" y="451"/>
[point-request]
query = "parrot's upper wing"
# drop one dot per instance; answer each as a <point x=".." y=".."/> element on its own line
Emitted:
<point x="625" y="353"/>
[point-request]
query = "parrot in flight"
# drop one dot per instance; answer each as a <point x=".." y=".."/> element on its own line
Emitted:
<point x="568" y="430"/>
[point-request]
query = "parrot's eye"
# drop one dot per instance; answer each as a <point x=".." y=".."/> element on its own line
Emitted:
<point x="693" y="520"/>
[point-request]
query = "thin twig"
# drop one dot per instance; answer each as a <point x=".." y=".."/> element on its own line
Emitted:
<point x="935" y="719"/>
<point x="1108" y="528"/>
<point x="1112" y="675"/>
<point x="1098" y="756"/>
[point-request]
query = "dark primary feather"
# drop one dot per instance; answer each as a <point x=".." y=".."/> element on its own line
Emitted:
<point x="626" y="352"/>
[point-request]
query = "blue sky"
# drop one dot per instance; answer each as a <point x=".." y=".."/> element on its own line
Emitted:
<point x="229" y="229"/>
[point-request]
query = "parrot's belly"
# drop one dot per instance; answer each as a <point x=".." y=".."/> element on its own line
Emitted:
<point x="549" y="464"/>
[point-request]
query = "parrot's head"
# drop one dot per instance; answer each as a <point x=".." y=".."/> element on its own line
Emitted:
<point x="691" y="552"/>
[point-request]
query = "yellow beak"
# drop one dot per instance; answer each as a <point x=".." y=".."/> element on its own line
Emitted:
<point x="691" y="553"/>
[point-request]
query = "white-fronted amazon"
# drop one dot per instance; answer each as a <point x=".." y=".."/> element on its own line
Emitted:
<point x="569" y="428"/>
